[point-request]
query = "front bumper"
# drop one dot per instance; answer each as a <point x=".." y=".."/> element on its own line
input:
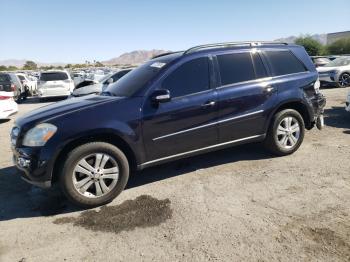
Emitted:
<point x="34" y="169"/>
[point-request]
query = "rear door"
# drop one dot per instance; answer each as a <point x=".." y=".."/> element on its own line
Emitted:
<point x="187" y="122"/>
<point x="246" y="95"/>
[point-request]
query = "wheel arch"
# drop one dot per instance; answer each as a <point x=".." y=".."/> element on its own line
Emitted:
<point x="298" y="106"/>
<point x="111" y="138"/>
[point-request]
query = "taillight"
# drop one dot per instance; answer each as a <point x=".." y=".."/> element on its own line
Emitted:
<point x="13" y="87"/>
<point x="4" y="97"/>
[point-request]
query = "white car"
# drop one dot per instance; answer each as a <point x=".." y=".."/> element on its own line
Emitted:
<point x="348" y="103"/>
<point x="78" y="77"/>
<point x="336" y="72"/>
<point x="55" y="84"/>
<point x="28" y="83"/>
<point x="8" y="106"/>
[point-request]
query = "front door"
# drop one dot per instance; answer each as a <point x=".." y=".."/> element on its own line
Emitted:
<point x="187" y="122"/>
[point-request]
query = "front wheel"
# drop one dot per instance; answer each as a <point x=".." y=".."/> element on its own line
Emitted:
<point x="94" y="174"/>
<point x="344" y="80"/>
<point x="286" y="133"/>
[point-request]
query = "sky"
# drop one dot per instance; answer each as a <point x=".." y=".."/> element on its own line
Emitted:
<point x="73" y="31"/>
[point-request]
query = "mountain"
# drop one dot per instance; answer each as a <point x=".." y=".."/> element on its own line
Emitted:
<point x="322" y="38"/>
<point x="134" y="57"/>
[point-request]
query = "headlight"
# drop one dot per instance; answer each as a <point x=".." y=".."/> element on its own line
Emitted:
<point x="39" y="135"/>
<point x="333" y="72"/>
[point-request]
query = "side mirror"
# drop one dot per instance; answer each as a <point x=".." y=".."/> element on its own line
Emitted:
<point x="110" y="81"/>
<point x="161" y="96"/>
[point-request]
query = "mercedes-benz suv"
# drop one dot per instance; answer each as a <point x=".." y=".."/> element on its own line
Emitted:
<point x="173" y="106"/>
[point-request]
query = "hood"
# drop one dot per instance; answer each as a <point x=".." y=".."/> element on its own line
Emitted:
<point x="86" y="90"/>
<point x="64" y="107"/>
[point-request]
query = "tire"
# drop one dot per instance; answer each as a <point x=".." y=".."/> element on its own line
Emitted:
<point x="284" y="138"/>
<point x="344" y="80"/>
<point x="87" y="193"/>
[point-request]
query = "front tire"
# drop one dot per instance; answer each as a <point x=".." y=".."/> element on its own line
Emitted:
<point x="94" y="174"/>
<point x="286" y="133"/>
<point x="344" y="80"/>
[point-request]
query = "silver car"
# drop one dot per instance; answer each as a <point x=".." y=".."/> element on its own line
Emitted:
<point x="336" y="72"/>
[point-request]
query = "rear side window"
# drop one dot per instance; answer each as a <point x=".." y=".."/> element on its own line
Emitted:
<point x="21" y="77"/>
<point x="284" y="63"/>
<point x="4" y="78"/>
<point x="260" y="70"/>
<point x="235" y="68"/>
<point x="54" y="76"/>
<point x="191" y="77"/>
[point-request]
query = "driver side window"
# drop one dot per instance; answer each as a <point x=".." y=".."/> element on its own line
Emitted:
<point x="189" y="78"/>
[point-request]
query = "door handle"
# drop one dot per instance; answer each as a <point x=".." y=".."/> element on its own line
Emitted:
<point x="209" y="103"/>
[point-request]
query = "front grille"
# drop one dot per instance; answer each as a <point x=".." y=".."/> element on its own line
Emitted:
<point x="14" y="135"/>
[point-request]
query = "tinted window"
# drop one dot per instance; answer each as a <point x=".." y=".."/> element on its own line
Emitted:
<point x="260" y="70"/>
<point x="284" y="63"/>
<point x="119" y="75"/>
<point x="235" y="68"/>
<point x="21" y="77"/>
<point x="4" y="78"/>
<point x="53" y="76"/>
<point x="191" y="77"/>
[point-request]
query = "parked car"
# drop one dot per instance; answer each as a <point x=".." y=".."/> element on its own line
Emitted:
<point x="320" y="60"/>
<point x="9" y="82"/>
<point x="336" y="72"/>
<point x="30" y="86"/>
<point x="99" y="86"/>
<point x="78" y="77"/>
<point x="8" y="106"/>
<point x="174" y="106"/>
<point x="55" y="84"/>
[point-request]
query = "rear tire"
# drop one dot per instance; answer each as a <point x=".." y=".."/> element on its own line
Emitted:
<point x="94" y="174"/>
<point x="286" y="133"/>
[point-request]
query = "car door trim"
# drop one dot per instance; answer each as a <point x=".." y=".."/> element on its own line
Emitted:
<point x="202" y="149"/>
<point x="207" y="125"/>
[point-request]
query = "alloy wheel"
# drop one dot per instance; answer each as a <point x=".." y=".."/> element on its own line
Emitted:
<point x="95" y="175"/>
<point x="344" y="80"/>
<point x="288" y="132"/>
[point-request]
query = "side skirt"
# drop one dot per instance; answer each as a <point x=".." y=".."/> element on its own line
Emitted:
<point x="244" y="140"/>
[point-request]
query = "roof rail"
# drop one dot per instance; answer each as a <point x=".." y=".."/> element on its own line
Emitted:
<point x="166" y="53"/>
<point x="230" y="44"/>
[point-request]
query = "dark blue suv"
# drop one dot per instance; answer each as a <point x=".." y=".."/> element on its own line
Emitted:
<point x="173" y="106"/>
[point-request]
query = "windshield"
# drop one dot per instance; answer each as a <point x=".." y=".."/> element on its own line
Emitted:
<point x="104" y="78"/>
<point x="132" y="82"/>
<point x="341" y="61"/>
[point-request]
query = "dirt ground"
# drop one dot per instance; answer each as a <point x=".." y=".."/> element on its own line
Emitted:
<point x="238" y="204"/>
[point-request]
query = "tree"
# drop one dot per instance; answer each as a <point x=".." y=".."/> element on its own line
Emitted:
<point x="30" y="65"/>
<point x="312" y="46"/>
<point x="12" y="68"/>
<point x="339" y="47"/>
<point x="3" y="68"/>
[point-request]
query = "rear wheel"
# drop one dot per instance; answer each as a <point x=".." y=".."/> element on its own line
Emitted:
<point x="286" y="133"/>
<point x="94" y="174"/>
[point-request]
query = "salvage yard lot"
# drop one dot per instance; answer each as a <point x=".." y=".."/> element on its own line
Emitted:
<point x="235" y="204"/>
